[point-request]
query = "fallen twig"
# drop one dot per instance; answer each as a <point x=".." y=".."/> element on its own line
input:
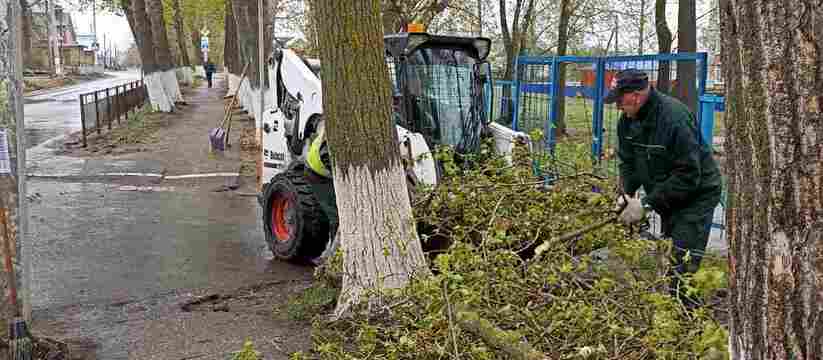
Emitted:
<point x="451" y="320"/>
<point x="496" y="338"/>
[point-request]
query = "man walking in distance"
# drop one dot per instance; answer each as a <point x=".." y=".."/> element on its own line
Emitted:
<point x="210" y="70"/>
<point x="662" y="150"/>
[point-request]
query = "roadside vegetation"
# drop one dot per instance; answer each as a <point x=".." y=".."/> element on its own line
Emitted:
<point x="509" y="283"/>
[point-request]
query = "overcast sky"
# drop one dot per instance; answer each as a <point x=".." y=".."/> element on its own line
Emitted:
<point x="114" y="28"/>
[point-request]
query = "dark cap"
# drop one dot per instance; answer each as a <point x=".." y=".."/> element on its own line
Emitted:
<point x="627" y="81"/>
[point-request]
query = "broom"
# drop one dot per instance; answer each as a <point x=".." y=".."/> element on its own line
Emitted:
<point x="20" y="342"/>
<point x="217" y="135"/>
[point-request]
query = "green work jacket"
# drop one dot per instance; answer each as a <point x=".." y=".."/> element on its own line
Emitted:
<point x="662" y="150"/>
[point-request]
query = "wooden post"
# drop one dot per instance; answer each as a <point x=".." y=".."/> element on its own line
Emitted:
<point x="108" y="107"/>
<point x="116" y="102"/>
<point x="96" y="113"/>
<point x="83" y="119"/>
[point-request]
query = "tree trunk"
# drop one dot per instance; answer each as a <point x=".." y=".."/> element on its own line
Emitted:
<point x="774" y="79"/>
<point x="195" y="43"/>
<point x="231" y="52"/>
<point x="162" y="54"/>
<point x="381" y="251"/>
<point x="425" y="11"/>
<point x="246" y="18"/>
<point x="562" y="45"/>
<point x="525" y="29"/>
<point x="642" y="27"/>
<point x="245" y="15"/>
<point x="687" y="42"/>
<point x="12" y="211"/>
<point x="511" y="43"/>
<point x="479" y="17"/>
<point x="143" y="32"/>
<point x="396" y="14"/>
<point x="54" y="50"/>
<point x="185" y="63"/>
<point x="27" y="31"/>
<point x="664" y="43"/>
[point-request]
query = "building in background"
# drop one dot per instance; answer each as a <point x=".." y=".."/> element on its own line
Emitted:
<point x="73" y="53"/>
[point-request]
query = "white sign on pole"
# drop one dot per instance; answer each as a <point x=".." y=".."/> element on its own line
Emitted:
<point x="5" y="163"/>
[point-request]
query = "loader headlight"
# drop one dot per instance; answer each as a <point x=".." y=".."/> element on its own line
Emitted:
<point x="483" y="45"/>
<point x="414" y="40"/>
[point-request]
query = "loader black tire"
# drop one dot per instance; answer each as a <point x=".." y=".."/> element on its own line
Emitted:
<point x="295" y="228"/>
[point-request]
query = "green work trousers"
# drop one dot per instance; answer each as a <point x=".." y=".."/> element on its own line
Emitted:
<point x="689" y="231"/>
<point x="323" y="189"/>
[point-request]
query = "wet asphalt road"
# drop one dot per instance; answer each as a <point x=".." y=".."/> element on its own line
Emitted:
<point x="57" y="112"/>
<point x="94" y="244"/>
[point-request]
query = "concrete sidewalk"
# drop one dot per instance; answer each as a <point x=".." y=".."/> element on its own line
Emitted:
<point x="177" y="151"/>
<point x="182" y="146"/>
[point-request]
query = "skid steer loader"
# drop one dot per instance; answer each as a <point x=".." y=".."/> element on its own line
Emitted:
<point x="440" y="84"/>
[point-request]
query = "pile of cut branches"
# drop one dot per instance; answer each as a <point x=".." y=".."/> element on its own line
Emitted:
<point x="494" y="295"/>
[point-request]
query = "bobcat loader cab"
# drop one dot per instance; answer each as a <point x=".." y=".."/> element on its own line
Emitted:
<point x="439" y="85"/>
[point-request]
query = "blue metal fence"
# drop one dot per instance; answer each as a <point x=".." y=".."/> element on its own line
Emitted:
<point x="535" y="98"/>
<point x="536" y="77"/>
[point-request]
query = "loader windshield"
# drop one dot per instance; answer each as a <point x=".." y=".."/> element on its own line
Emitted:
<point x="445" y="97"/>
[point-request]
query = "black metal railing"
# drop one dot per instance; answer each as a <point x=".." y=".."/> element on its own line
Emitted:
<point x="100" y="108"/>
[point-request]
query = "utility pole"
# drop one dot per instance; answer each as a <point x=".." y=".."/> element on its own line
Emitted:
<point x="60" y="36"/>
<point x="95" y="45"/>
<point x="13" y="210"/>
<point x="479" y="18"/>
<point x="52" y="35"/>
<point x="260" y="63"/>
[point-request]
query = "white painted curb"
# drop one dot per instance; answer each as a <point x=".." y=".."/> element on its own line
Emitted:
<point x="195" y="176"/>
<point x="124" y="174"/>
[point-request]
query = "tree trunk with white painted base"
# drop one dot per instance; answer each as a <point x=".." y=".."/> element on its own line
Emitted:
<point x="773" y="66"/>
<point x="155" y="63"/>
<point x="378" y="239"/>
<point x="185" y="69"/>
<point x="162" y="54"/>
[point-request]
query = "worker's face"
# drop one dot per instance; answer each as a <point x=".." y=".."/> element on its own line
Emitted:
<point x="630" y="104"/>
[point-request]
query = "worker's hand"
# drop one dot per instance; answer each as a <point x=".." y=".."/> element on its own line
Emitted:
<point x="620" y="203"/>
<point x="634" y="211"/>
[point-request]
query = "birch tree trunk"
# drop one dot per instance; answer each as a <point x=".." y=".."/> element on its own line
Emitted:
<point x="378" y="239"/>
<point x="773" y="66"/>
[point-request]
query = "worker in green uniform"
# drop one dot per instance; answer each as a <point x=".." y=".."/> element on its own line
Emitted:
<point x="661" y="149"/>
<point x="318" y="174"/>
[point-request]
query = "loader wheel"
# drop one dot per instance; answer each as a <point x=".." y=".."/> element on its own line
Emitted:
<point x="295" y="228"/>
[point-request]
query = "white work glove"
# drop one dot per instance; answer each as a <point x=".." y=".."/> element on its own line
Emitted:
<point x="634" y="211"/>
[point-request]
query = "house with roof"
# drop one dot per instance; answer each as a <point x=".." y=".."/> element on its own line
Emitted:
<point x="72" y="52"/>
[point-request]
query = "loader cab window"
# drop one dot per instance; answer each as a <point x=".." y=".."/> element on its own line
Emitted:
<point x="441" y="89"/>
